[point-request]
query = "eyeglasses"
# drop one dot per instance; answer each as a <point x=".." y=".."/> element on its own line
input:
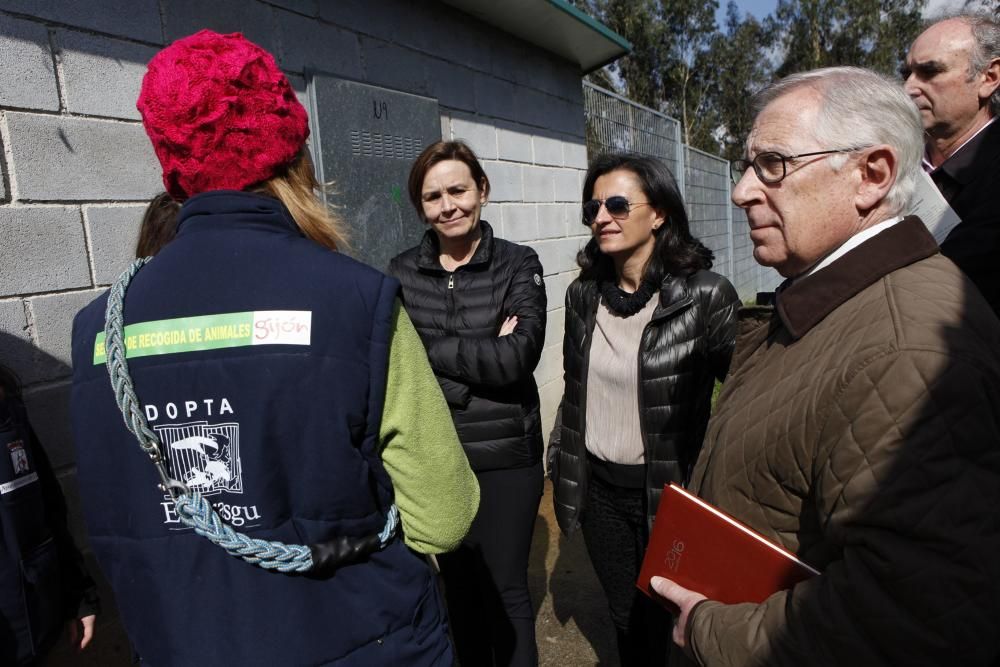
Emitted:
<point x="771" y="167"/>
<point x="618" y="207"/>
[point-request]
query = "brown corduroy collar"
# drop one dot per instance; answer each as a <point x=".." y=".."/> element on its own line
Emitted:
<point x="806" y="301"/>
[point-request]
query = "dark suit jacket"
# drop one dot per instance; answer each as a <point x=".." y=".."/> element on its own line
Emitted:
<point x="970" y="181"/>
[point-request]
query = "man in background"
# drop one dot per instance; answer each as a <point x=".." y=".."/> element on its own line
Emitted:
<point x="952" y="73"/>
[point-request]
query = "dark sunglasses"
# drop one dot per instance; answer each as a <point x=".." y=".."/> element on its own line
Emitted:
<point x="618" y="207"/>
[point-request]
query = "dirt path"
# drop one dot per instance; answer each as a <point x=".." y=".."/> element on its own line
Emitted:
<point x="571" y="618"/>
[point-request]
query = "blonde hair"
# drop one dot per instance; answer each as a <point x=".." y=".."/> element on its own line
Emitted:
<point x="296" y="186"/>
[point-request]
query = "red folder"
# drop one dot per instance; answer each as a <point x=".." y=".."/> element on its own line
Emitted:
<point x="707" y="551"/>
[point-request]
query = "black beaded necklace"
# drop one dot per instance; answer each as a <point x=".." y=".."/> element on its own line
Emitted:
<point x="625" y="304"/>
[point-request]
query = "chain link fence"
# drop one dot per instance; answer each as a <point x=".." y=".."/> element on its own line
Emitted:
<point x="615" y="123"/>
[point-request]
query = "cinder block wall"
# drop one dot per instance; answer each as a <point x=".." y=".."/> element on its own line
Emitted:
<point x="77" y="168"/>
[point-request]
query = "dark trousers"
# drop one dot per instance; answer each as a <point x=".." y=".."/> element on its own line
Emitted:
<point x="615" y="532"/>
<point x="486" y="578"/>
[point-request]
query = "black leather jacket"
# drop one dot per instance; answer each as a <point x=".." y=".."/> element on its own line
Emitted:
<point x="685" y="347"/>
<point x="487" y="380"/>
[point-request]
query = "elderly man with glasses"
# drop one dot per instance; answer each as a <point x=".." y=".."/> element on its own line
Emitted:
<point x="859" y="425"/>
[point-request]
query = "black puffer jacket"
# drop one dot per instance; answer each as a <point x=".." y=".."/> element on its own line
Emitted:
<point x="487" y="379"/>
<point x="683" y="349"/>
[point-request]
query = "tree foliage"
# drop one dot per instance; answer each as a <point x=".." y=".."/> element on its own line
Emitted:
<point x="705" y="75"/>
<point x="824" y="33"/>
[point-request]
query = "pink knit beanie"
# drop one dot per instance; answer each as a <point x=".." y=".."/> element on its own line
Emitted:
<point x="220" y="114"/>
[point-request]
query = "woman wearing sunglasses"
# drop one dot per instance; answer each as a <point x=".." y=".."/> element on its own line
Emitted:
<point x="648" y="331"/>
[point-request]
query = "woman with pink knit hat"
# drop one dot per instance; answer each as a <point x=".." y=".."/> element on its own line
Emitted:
<point x="286" y="453"/>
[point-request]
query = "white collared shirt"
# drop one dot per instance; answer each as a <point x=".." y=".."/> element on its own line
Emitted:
<point x="852" y="243"/>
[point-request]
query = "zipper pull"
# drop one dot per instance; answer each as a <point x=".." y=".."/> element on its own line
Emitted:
<point x="451" y="281"/>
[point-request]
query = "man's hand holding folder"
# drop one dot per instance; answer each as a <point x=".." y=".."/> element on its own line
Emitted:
<point x="685" y="601"/>
<point x="695" y="544"/>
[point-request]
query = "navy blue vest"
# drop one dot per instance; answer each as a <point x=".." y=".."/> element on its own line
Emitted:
<point x="260" y="359"/>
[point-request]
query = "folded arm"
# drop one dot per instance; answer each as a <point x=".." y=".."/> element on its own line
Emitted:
<point x="500" y="360"/>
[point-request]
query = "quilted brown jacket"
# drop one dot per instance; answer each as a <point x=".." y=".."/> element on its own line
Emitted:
<point x="860" y="428"/>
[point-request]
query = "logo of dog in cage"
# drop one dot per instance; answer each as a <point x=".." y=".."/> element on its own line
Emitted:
<point x="204" y="456"/>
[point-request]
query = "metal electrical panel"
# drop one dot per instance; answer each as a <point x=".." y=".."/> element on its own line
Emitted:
<point x="365" y="140"/>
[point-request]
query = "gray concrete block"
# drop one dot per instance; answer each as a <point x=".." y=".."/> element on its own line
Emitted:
<point x="549" y="395"/>
<point x="536" y="108"/>
<point x="574" y="219"/>
<point x="15" y="338"/>
<point x="539" y="184"/>
<point x="101" y="76"/>
<point x="555" y="76"/>
<point x="575" y="154"/>
<point x="569" y="82"/>
<point x="4" y="176"/>
<point x="254" y="19"/>
<point x="407" y="23"/>
<point x="113" y="232"/>
<point x="549" y="366"/>
<point x="307" y="7"/>
<point x="551" y="221"/>
<point x="452" y="85"/>
<point x="514" y="143"/>
<point x="18" y="350"/>
<point x="568" y="183"/>
<point x="393" y="66"/>
<point x="505" y="181"/>
<point x="137" y="19"/>
<point x="53" y="317"/>
<point x="555" y="324"/>
<point x="548" y="151"/>
<point x="520" y="222"/>
<point x="556" y="285"/>
<point x="359" y="16"/>
<point x="27" y="75"/>
<point x="43" y="250"/>
<point x="481" y="136"/>
<point x="309" y="44"/>
<point x="512" y="58"/>
<point x="563" y="116"/>
<point x="57" y="159"/>
<point x="48" y="410"/>
<point x="494" y="97"/>
<point x="559" y="255"/>
<point x="458" y="38"/>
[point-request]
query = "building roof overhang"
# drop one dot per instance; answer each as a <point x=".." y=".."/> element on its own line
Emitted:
<point x="554" y="25"/>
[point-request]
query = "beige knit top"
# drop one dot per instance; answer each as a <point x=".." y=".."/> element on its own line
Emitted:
<point x="613" y="429"/>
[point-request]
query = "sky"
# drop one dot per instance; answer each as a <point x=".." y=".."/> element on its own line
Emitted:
<point x="761" y="8"/>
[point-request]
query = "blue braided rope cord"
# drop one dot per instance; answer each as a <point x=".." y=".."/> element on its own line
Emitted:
<point x="192" y="508"/>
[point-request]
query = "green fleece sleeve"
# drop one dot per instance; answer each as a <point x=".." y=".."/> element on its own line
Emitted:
<point x="436" y="492"/>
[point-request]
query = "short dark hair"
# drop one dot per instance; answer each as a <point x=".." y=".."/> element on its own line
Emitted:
<point x="675" y="250"/>
<point x="439" y="152"/>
